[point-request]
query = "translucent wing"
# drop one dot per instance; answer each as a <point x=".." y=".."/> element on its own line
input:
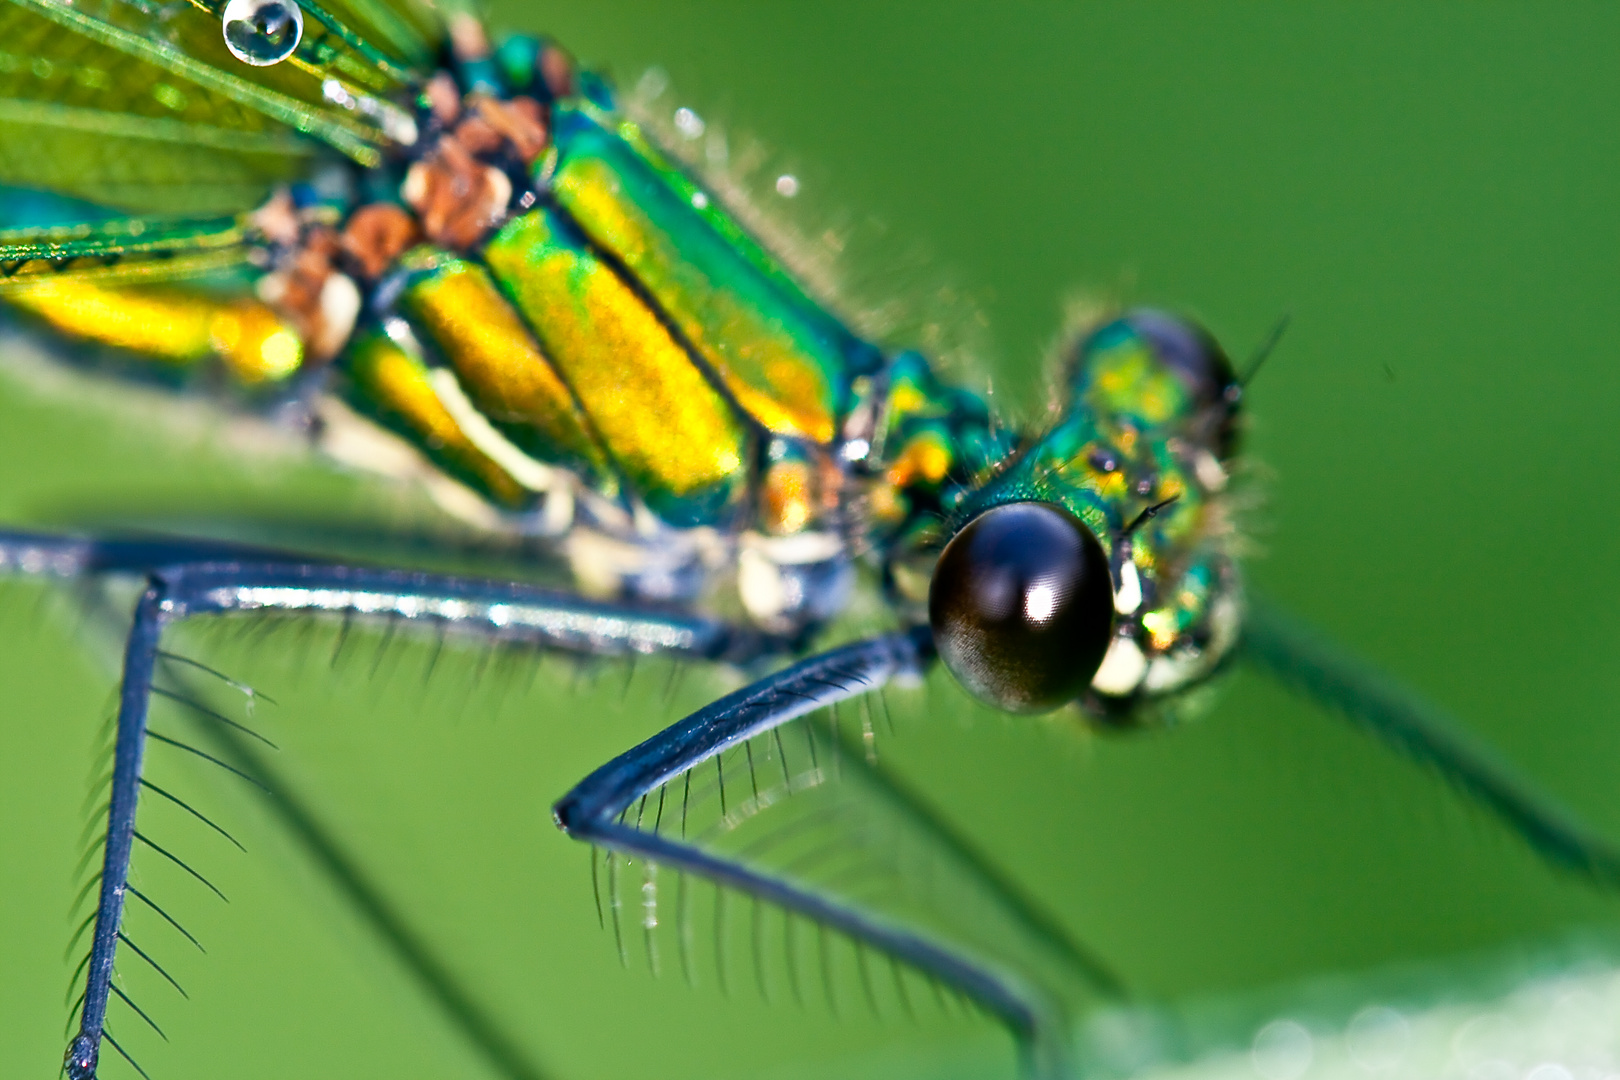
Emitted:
<point x="1305" y="662"/>
<point x="144" y="107"/>
<point x="122" y="249"/>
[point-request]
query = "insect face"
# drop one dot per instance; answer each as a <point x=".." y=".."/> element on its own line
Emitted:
<point x="1022" y="607"/>
<point x="1092" y="565"/>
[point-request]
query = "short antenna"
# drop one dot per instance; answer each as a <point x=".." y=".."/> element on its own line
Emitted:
<point x="1263" y="353"/>
<point x="1147" y="515"/>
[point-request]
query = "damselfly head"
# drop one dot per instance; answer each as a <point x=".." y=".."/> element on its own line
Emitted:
<point x="1022" y="606"/>
<point x="262" y="32"/>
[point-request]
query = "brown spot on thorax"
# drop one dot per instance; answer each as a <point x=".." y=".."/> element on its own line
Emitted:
<point x="456" y="189"/>
<point x="377" y="234"/>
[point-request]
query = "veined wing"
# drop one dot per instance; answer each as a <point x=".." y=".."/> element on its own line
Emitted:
<point x="122" y="249"/>
<point x="145" y="107"/>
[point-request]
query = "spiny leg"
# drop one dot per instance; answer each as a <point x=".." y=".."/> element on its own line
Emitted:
<point x="222" y="581"/>
<point x="140" y="655"/>
<point x="1302" y="660"/>
<point x="1028" y="995"/>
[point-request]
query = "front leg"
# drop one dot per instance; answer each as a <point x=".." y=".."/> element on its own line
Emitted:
<point x="973" y="932"/>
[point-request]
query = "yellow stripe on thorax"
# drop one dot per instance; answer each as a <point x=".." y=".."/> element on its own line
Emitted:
<point x="500" y="364"/>
<point x="770" y="370"/>
<point x="673" y="435"/>
<point x="169" y="325"/>
<point x="399" y="385"/>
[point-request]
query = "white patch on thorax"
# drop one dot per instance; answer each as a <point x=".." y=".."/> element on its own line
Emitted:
<point x="800" y="548"/>
<point x="775" y="577"/>
<point x="340" y="306"/>
<point x="1122" y="668"/>
<point x="1128" y="597"/>
<point x="353" y="440"/>
<point x="1209" y="470"/>
<point x="555" y="484"/>
<point x="762" y="586"/>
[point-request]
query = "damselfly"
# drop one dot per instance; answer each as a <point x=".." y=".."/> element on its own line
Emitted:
<point x="997" y="959"/>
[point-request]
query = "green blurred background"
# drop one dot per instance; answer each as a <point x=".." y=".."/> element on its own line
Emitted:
<point x="1429" y="190"/>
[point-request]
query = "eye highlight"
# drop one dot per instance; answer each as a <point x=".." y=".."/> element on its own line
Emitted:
<point x="1022" y="606"/>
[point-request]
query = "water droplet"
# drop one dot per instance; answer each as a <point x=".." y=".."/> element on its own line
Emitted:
<point x="1282" y="1050"/>
<point x="1549" y="1070"/>
<point x="262" y="32"/>
<point x="688" y="123"/>
<point x="1378" y="1038"/>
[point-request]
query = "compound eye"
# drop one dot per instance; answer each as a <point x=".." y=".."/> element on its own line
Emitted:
<point x="262" y="32"/>
<point x="1022" y="606"/>
<point x="1187" y="349"/>
<point x="1198" y="360"/>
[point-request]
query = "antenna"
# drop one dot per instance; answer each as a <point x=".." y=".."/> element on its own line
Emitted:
<point x="1263" y="353"/>
<point x="1143" y="518"/>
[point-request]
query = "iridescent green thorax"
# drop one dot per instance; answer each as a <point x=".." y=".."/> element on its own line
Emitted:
<point x="619" y="360"/>
<point x="584" y="342"/>
<point x="779" y="355"/>
<point x="608" y="316"/>
<point x="927" y="446"/>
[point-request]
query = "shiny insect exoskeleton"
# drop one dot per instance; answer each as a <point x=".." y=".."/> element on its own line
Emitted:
<point x="493" y="269"/>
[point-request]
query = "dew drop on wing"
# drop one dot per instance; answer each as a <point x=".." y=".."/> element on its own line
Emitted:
<point x="262" y="32"/>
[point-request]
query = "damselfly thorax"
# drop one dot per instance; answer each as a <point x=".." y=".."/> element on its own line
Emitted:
<point x="587" y="345"/>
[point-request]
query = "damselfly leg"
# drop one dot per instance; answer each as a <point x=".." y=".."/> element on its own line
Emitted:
<point x="181" y="584"/>
<point x="1304" y="661"/>
<point x="1005" y="978"/>
<point x="608" y="808"/>
<point x="846" y="858"/>
<point x="837" y="823"/>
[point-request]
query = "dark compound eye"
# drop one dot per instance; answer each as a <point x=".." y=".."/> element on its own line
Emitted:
<point x="1022" y="606"/>
<point x="1188" y="350"/>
